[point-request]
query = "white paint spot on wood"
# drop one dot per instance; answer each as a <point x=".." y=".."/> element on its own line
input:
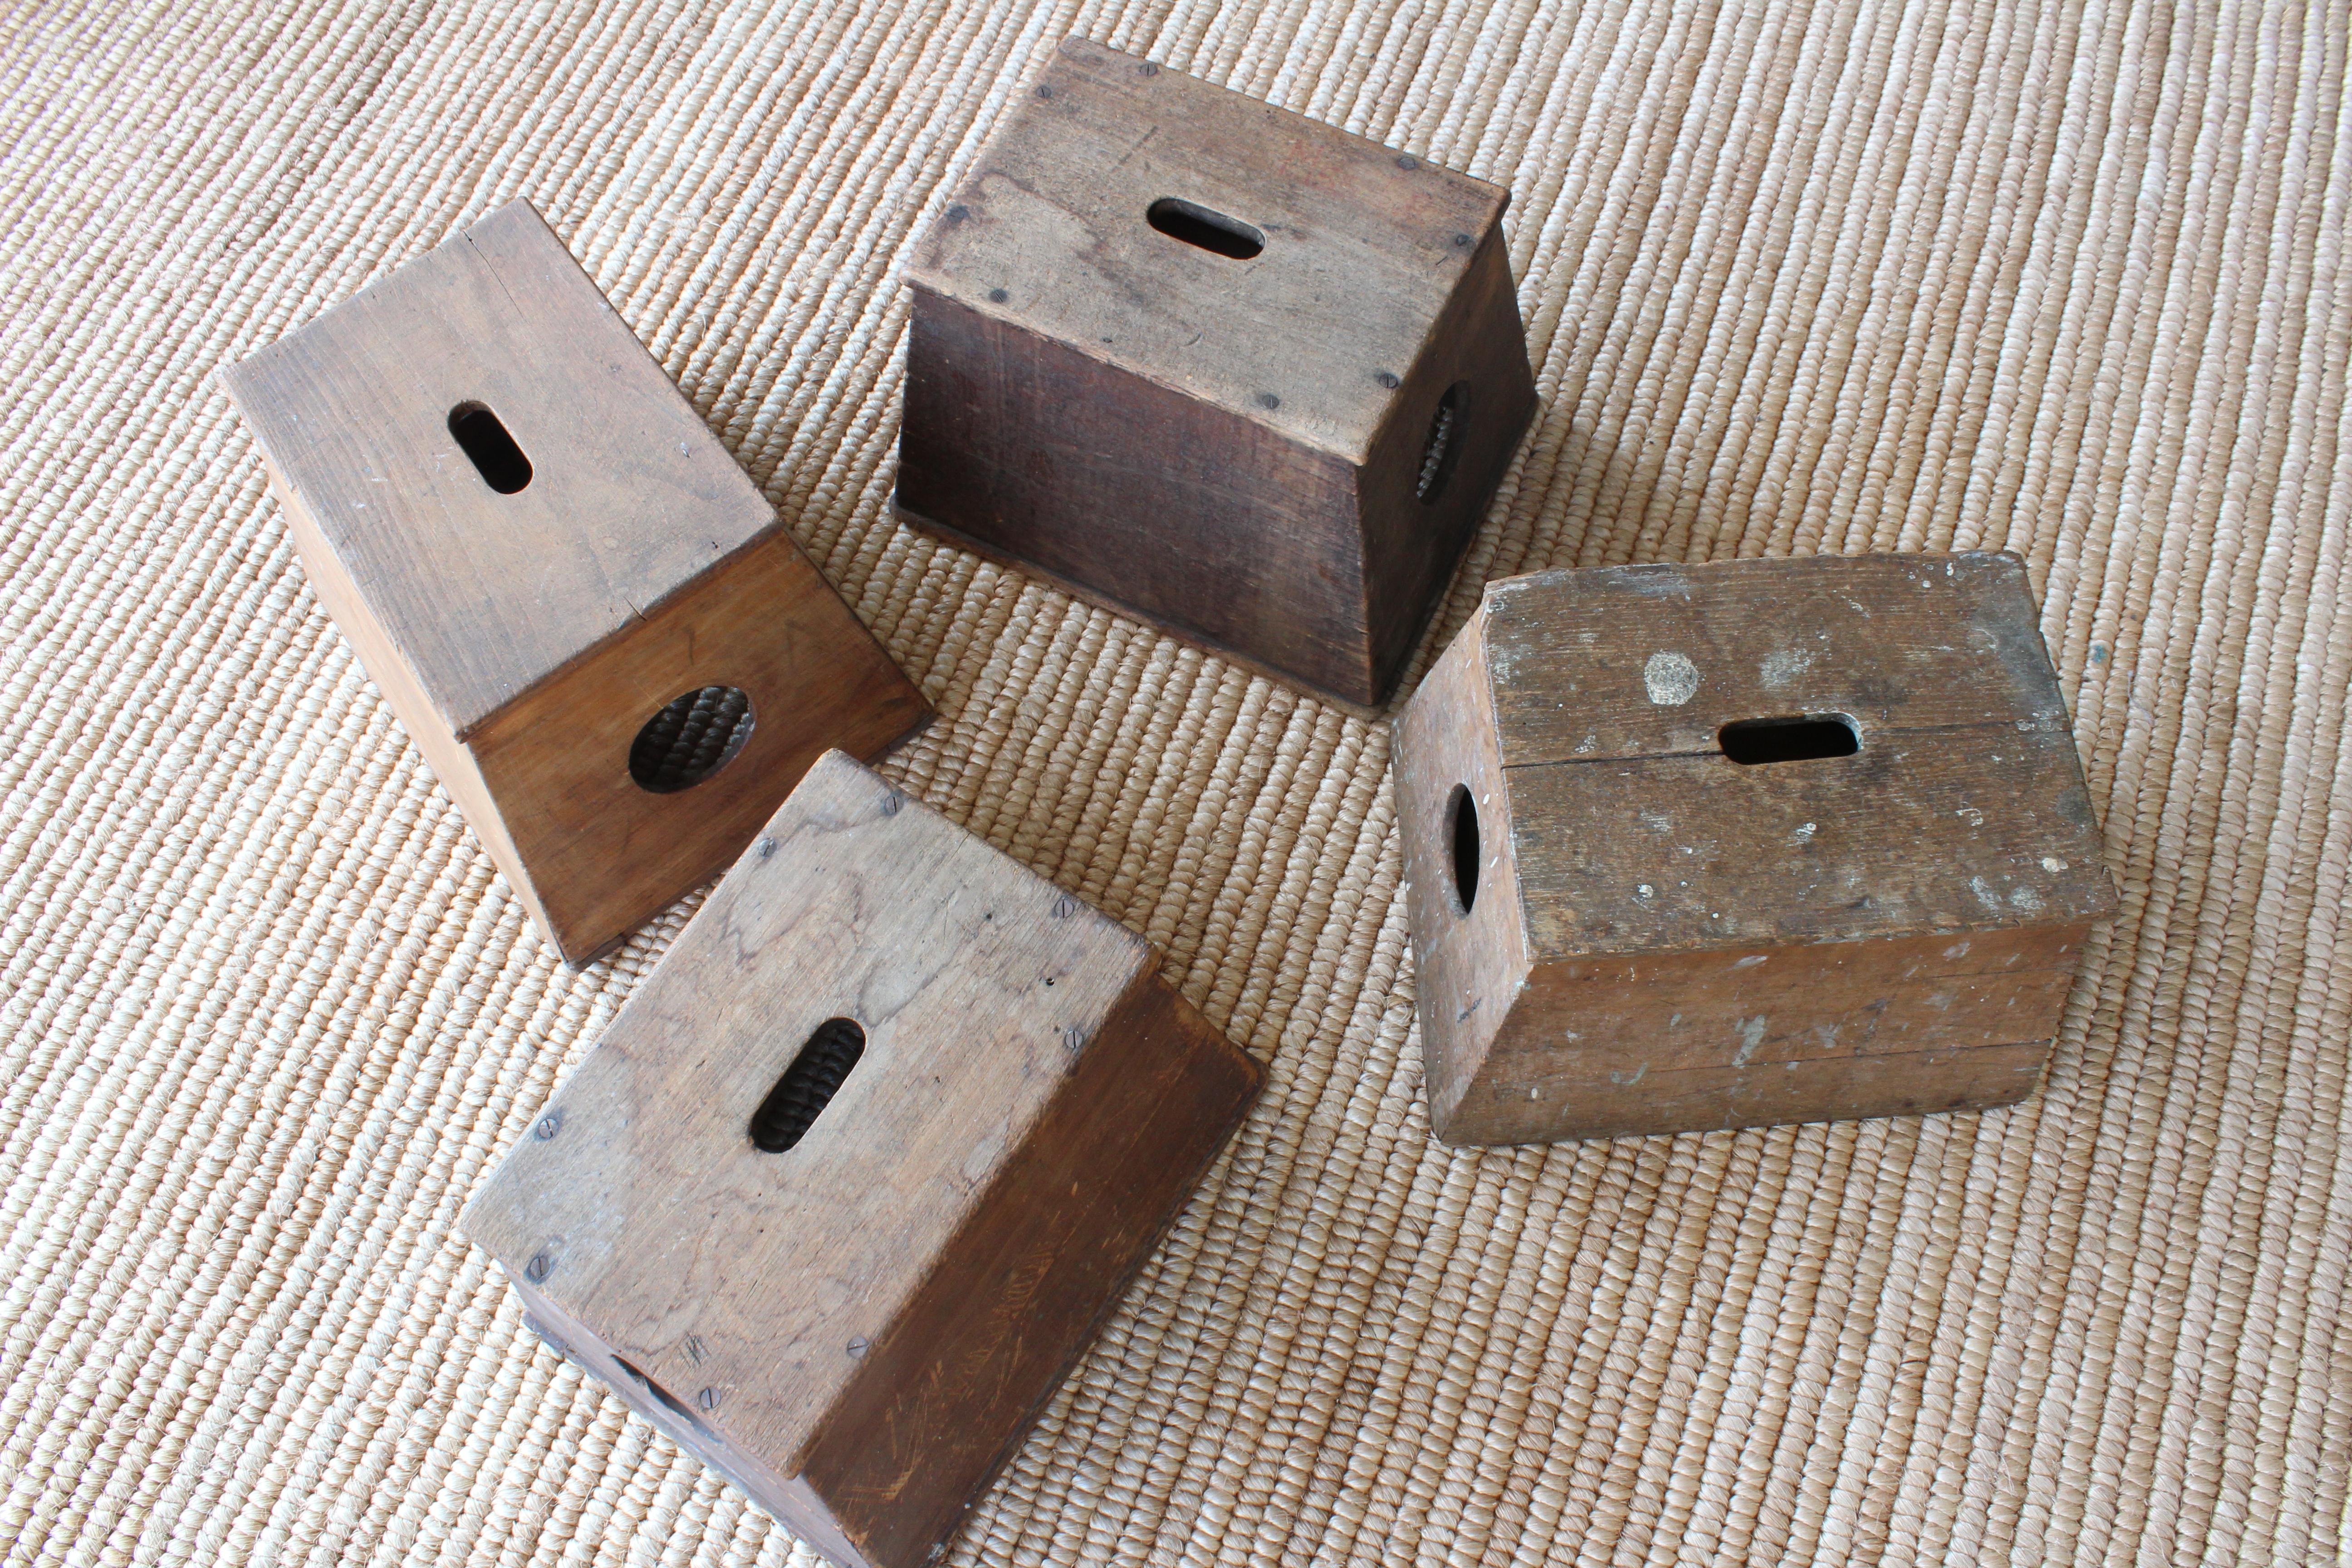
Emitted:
<point x="1750" y="962"/>
<point x="1751" y="1035"/>
<point x="1958" y="950"/>
<point x="1783" y="666"/>
<point x="1670" y="678"/>
<point x="1984" y="894"/>
<point x="2024" y="898"/>
<point x="2052" y="863"/>
<point x="1804" y="833"/>
<point x="1971" y="816"/>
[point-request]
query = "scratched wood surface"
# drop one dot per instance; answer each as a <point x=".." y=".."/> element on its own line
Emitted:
<point x="859" y="1328"/>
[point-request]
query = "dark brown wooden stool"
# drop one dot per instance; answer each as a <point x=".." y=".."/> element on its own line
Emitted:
<point x="608" y="646"/>
<point x="859" y="1169"/>
<point x="1209" y="362"/>
<point x="1761" y="841"/>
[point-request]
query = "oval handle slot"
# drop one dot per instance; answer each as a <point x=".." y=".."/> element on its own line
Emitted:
<point x="1751" y="742"/>
<point x="808" y="1085"/>
<point x="1210" y="230"/>
<point x="483" y="439"/>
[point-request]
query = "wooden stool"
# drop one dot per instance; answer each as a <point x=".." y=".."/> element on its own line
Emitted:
<point x="1209" y="362"/>
<point x="858" y="1169"/>
<point x="611" y="651"/>
<point x="1761" y="841"/>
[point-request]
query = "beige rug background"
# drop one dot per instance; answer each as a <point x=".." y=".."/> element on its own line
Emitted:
<point x="2065" y="278"/>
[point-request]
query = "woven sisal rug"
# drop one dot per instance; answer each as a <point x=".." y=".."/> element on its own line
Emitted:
<point x="2065" y="279"/>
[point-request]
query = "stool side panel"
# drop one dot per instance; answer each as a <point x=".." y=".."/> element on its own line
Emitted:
<point x="652" y="1219"/>
<point x="629" y="499"/>
<point x="1412" y="548"/>
<point x="380" y="655"/>
<point x="1360" y="251"/>
<point x="1069" y="1218"/>
<point x="1765" y="1026"/>
<point x="1897" y="642"/>
<point x="1576" y="1105"/>
<point x="1935" y="832"/>
<point x="607" y="854"/>
<point x="1181" y="512"/>
<point x="1469" y="969"/>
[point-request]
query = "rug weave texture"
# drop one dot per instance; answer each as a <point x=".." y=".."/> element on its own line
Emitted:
<point x="2065" y="279"/>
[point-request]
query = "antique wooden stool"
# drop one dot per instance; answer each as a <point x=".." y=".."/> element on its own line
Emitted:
<point x="1760" y="841"/>
<point x="858" y="1169"/>
<point x="608" y="646"/>
<point x="1209" y="362"/>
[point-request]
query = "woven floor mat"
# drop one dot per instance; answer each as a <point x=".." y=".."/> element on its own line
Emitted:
<point x="2062" y="278"/>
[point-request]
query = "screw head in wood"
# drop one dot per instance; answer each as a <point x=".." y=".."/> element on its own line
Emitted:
<point x="1065" y="907"/>
<point x="767" y="848"/>
<point x="1388" y="378"/>
<point x="891" y="802"/>
<point x="708" y="1399"/>
<point x="548" y="1126"/>
<point x="858" y="1348"/>
<point x="1407" y="161"/>
<point x="997" y="296"/>
<point x="1073" y="1039"/>
<point x="540" y="1267"/>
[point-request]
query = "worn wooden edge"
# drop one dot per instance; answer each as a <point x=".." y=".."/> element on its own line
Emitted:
<point x="1369" y="711"/>
<point x="1991" y="1077"/>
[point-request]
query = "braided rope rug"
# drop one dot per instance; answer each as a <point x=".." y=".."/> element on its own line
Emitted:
<point x="2062" y="276"/>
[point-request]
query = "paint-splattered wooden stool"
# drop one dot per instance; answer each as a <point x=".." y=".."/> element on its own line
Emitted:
<point x="1760" y="841"/>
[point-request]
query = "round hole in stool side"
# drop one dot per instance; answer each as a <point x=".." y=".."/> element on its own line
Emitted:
<point x="1443" y="448"/>
<point x="692" y="737"/>
<point x="1462" y="813"/>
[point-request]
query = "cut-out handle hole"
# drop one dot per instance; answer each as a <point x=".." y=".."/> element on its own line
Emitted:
<point x="1212" y="231"/>
<point x="808" y="1085"/>
<point x="1443" y="446"/>
<point x="692" y="737"/>
<point x="481" y="436"/>
<point x="1462" y="813"/>
<point x="1753" y="742"/>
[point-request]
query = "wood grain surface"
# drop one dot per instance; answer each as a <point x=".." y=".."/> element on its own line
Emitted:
<point x="876" y="1313"/>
